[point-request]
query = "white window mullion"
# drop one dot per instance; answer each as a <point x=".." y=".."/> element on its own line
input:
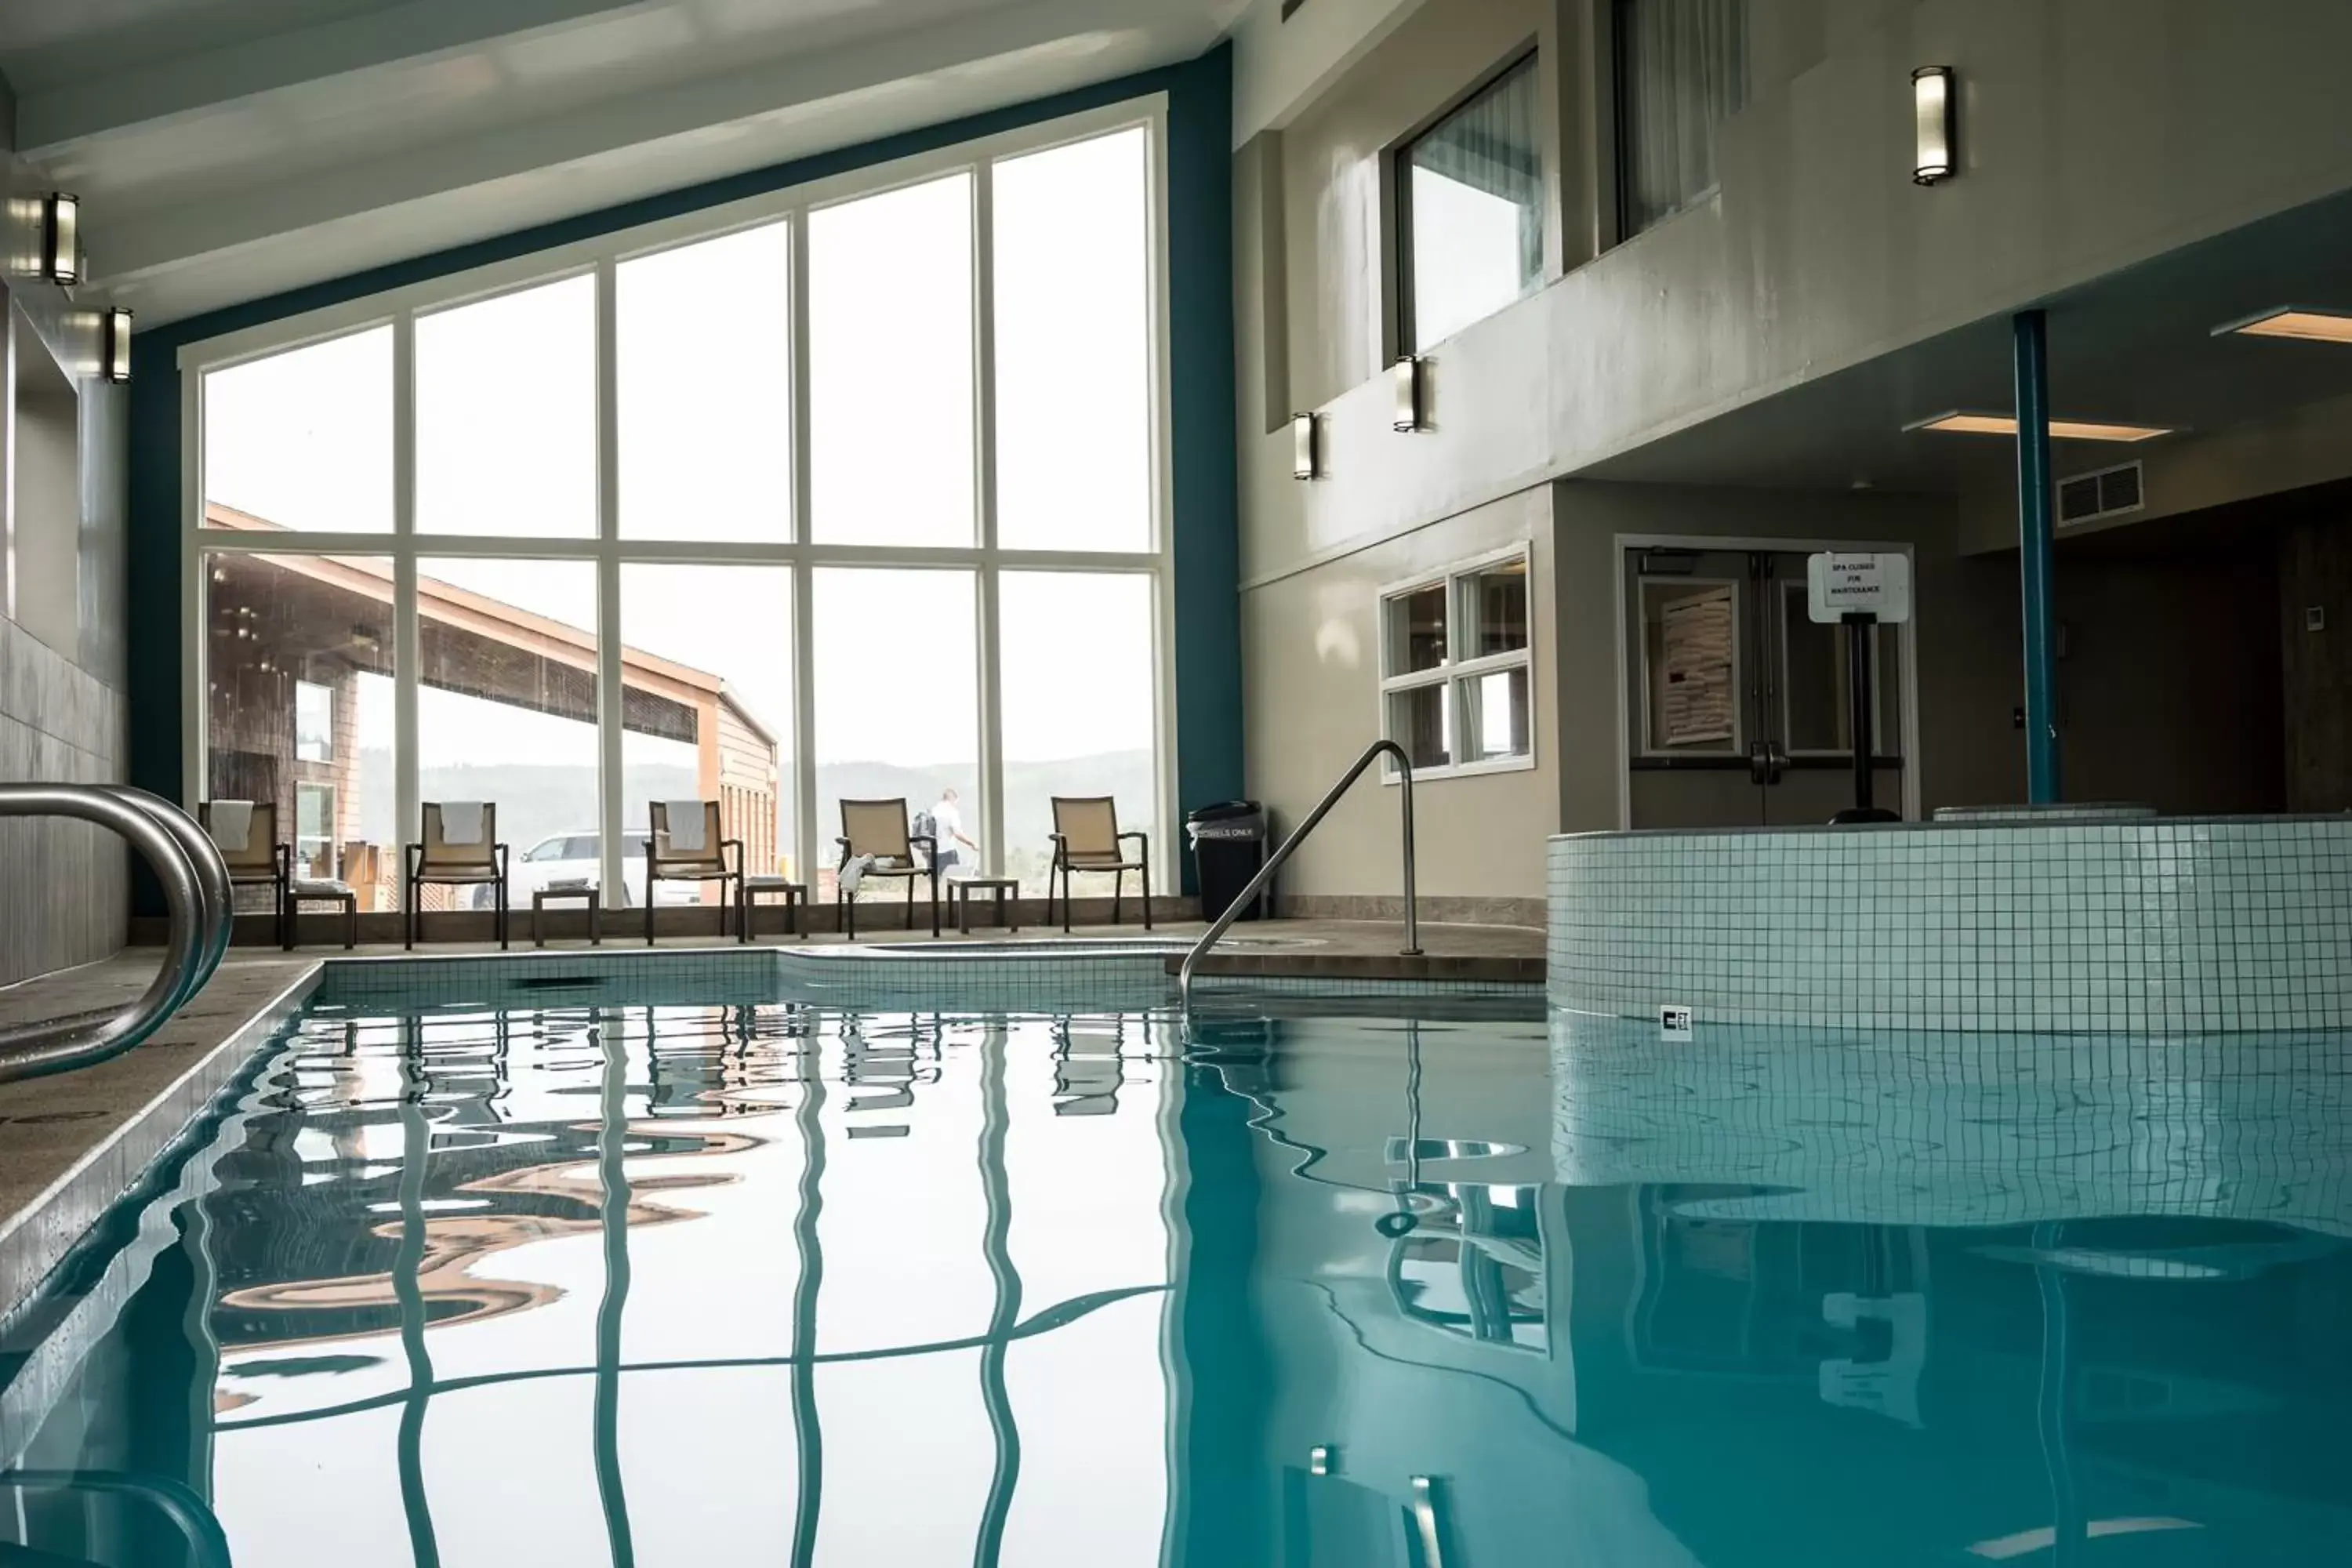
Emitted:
<point x="804" y="654"/>
<point x="195" y="681"/>
<point x="406" y="643"/>
<point x="992" y="706"/>
<point x="609" y="666"/>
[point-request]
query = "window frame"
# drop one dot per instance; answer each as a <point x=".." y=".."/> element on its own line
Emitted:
<point x="1452" y="673"/>
<point x="798" y="550"/>
<point x="1621" y="104"/>
<point x="327" y="757"/>
<point x="296" y="837"/>
<point x="1403" y="317"/>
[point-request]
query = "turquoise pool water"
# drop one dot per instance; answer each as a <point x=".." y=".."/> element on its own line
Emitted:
<point x="768" y="1284"/>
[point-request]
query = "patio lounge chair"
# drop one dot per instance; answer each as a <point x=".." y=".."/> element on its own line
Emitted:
<point x="876" y="830"/>
<point x="692" y="851"/>
<point x="246" y="833"/>
<point x="1086" y="838"/>
<point x="474" y="859"/>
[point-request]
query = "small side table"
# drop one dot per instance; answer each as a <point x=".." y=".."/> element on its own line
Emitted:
<point x="587" y="896"/>
<point x="795" y="900"/>
<point x="959" y="892"/>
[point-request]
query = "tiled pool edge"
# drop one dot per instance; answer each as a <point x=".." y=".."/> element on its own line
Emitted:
<point x="2153" y="926"/>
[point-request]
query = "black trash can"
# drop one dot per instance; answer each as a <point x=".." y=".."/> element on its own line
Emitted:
<point x="1228" y="847"/>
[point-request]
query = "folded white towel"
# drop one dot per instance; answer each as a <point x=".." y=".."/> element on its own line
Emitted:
<point x="461" y="822"/>
<point x="686" y="835"/>
<point x="854" y="873"/>
<point x="231" y="824"/>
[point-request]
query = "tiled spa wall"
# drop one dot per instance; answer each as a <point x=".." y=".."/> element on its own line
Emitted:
<point x="64" y="886"/>
<point x="2146" y="926"/>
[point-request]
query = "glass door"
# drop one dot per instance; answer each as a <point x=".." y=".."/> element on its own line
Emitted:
<point x="1737" y="703"/>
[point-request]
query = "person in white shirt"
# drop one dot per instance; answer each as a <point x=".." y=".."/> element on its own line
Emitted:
<point x="946" y="825"/>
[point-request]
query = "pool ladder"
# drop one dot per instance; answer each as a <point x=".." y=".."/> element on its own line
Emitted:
<point x="1274" y="863"/>
<point x="195" y="890"/>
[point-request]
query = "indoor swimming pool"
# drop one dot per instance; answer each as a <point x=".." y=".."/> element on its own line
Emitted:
<point x="568" y="1279"/>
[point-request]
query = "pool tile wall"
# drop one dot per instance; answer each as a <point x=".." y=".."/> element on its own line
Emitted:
<point x="2166" y="926"/>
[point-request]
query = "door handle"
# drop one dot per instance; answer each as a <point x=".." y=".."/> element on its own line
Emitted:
<point x="1776" y="762"/>
<point x="1760" y="764"/>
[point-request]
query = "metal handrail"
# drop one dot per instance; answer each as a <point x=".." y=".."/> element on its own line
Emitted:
<point x="196" y="892"/>
<point x="176" y="1501"/>
<point x="1298" y="836"/>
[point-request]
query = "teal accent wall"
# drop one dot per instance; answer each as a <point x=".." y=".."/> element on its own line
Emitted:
<point x="1202" y="453"/>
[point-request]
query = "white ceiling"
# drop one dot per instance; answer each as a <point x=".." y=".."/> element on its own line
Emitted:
<point x="225" y="150"/>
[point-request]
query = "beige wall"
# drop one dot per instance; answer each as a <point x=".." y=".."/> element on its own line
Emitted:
<point x="2095" y="134"/>
<point x="1337" y="240"/>
<point x="1310" y="655"/>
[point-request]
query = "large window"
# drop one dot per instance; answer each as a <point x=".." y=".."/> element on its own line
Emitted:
<point x="298" y="707"/>
<point x="1457" y="667"/>
<point x="1682" y="71"/>
<point x="303" y="439"/>
<point x="710" y="511"/>
<point x="1471" y="218"/>
<point x="892" y="357"/>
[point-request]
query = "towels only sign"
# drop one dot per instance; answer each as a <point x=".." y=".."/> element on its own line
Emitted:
<point x="1839" y="583"/>
<point x="1674" y="1023"/>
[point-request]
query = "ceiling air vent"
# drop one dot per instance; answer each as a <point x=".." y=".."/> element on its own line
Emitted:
<point x="2107" y="493"/>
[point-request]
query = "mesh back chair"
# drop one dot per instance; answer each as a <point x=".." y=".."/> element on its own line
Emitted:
<point x="877" y="828"/>
<point x="440" y="862"/>
<point x="1086" y="838"/>
<point x="259" y="862"/>
<point x="711" y="863"/>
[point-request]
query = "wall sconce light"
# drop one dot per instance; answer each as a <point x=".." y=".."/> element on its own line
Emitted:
<point x="1305" y="447"/>
<point x="117" y="361"/>
<point x="1405" y="375"/>
<point x="61" y="237"/>
<point x="1935" y="103"/>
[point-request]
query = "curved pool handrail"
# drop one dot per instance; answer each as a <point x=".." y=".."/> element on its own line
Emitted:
<point x="219" y="895"/>
<point x="176" y="1501"/>
<point x="1298" y="836"/>
<point x="62" y="1045"/>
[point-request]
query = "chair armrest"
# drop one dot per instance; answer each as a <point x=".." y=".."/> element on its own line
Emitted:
<point x="737" y="846"/>
<point x="1144" y="837"/>
<point x="283" y="853"/>
<point x="500" y="852"/>
<point x="844" y="850"/>
<point x="411" y="858"/>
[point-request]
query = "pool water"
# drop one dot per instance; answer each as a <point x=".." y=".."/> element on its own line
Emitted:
<point x="767" y="1284"/>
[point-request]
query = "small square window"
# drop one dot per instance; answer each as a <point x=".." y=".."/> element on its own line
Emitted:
<point x="1417" y="630"/>
<point x="1418" y="723"/>
<point x="1457" y="667"/>
<point x="1494" y="712"/>
<point x="1494" y="608"/>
